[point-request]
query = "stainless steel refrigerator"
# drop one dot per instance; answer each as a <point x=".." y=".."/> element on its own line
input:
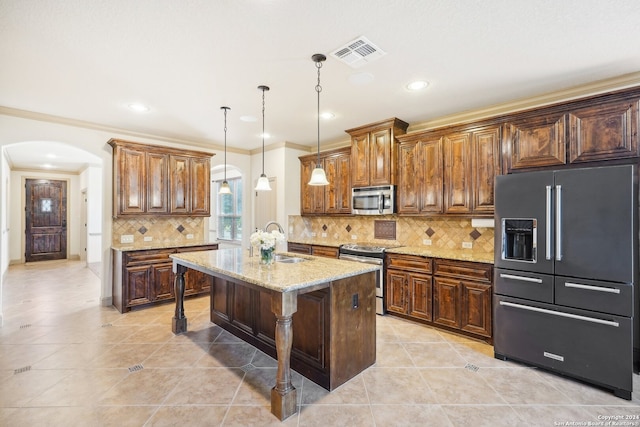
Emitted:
<point x="566" y="272"/>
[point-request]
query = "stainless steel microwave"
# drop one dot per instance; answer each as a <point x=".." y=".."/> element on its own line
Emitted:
<point x="380" y="200"/>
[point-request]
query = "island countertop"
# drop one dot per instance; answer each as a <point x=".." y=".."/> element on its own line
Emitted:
<point x="281" y="277"/>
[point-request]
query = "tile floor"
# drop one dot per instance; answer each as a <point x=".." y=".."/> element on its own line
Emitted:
<point x="67" y="361"/>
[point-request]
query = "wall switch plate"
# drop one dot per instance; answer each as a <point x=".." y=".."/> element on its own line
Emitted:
<point x="467" y="245"/>
<point x="189" y="236"/>
<point x="148" y="238"/>
<point x="126" y="238"/>
<point x="426" y="242"/>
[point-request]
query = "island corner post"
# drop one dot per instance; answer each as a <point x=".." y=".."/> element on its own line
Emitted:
<point x="283" y="304"/>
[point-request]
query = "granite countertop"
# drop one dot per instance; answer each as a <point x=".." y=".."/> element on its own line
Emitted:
<point x="458" y="255"/>
<point x="159" y="244"/>
<point x="281" y="277"/>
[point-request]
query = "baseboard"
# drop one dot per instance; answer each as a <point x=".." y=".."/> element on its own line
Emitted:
<point x="107" y="301"/>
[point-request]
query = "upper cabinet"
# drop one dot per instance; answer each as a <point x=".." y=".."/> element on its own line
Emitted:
<point x="596" y="129"/>
<point x="373" y="152"/>
<point x="334" y="198"/>
<point x="154" y="180"/>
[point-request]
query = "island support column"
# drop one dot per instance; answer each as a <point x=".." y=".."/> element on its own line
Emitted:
<point x="284" y="401"/>
<point x="179" y="321"/>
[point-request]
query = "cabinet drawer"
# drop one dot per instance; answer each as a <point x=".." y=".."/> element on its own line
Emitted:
<point x="419" y="264"/>
<point x="614" y="298"/>
<point x="211" y="247"/>
<point x="325" y="251"/>
<point x="584" y="344"/>
<point x="531" y="286"/>
<point x="299" y="248"/>
<point x="463" y="270"/>
<point x="147" y="257"/>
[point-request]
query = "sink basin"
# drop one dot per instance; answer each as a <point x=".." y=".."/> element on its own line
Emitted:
<point x="289" y="259"/>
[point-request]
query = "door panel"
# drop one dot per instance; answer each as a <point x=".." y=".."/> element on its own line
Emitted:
<point x="46" y="220"/>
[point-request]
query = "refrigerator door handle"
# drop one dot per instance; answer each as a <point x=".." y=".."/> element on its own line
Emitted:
<point x="561" y="314"/>
<point x="522" y="278"/>
<point x="591" y="288"/>
<point x="547" y="242"/>
<point x="558" y="223"/>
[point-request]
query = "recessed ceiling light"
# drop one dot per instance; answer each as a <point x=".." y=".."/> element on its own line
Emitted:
<point x="417" y="85"/>
<point x="248" y="118"/>
<point x="48" y="166"/>
<point x="138" y="107"/>
<point x="327" y="115"/>
<point x="360" y="78"/>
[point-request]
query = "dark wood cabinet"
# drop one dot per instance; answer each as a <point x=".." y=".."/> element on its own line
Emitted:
<point x="334" y="198"/>
<point x="538" y="141"/>
<point x="299" y="248"/>
<point x="153" y="180"/>
<point x="144" y="277"/>
<point x="457" y="173"/>
<point x="420" y="176"/>
<point x="409" y="289"/>
<point x="325" y="251"/>
<point x="453" y="294"/>
<point x="373" y="152"/>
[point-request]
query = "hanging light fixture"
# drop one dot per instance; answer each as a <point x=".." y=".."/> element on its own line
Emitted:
<point x="318" y="177"/>
<point x="263" y="181"/>
<point x="224" y="188"/>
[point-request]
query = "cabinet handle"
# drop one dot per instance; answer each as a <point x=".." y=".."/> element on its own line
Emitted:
<point x="547" y="243"/>
<point x="521" y="278"/>
<point x="561" y="314"/>
<point x="591" y="288"/>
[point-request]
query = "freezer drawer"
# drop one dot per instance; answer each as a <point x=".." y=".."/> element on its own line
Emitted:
<point x="604" y="297"/>
<point x="585" y="345"/>
<point x="532" y="286"/>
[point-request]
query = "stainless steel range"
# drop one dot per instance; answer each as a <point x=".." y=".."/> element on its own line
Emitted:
<point x="370" y="254"/>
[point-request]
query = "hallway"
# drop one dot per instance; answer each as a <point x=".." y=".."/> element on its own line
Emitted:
<point x="66" y="361"/>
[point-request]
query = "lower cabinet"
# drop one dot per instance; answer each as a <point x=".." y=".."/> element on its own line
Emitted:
<point x="146" y="276"/>
<point x="449" y="293"/>
<point x="317" y="250"/>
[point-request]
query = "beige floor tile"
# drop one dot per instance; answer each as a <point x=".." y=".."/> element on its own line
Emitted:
<point x="392" y="356"/>
<point x="253" y="416"/>
<point x="191" y="416"/>
<point x="410" y="332"/>
<point x="144" y="387"/>
<point x="523" y="386"/>
<point x="256" y="386"/>
<point x="22" y="387"/>
<point x="15" y="356"/>
<point x="396" y="386"/>
<point x="434" y="354"/>
<point x="232" y="355"/>
<point x="182" y="354"/>
<point x="151" y="334"/>
<point x="336" y="415"/>
<point x="206" y="386"/>
<point x="262" y="360"/>
<point x="124" y="355"/>
<point x="446" y="385"/>
<point x="481" y="416"/>
<point x="351" y="392"/>
<point x="480" y="354"/>
<point x="73" y="356"/>
<point x="409" y="416"/>
<point x="543" y="415"/>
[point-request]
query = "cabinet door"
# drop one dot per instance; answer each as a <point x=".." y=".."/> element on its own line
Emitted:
<point x="132" y="178"/>
<point x="179" y="184"/>
<point x="380" y="156"/>
<point x="446" y="306"/>
<point x="410" y="176"/>
<point x="538" y="141"/>
<point x="337" y="195"/>
<point x="604" y="132"/>
<point x="421" y="296"/>
<point x="360" y="160"/>
<point x="162" y="280"/>
<point x="137" y="281"/>
<point x="457" y="173"/>
<point x="486" y="165"/>
<point x="396" y="298"/>
<point x="157" y="182"/>
<point x="311" y="196"/>
<point x="199" y="187"/>
<point x="476" y="308"/>
<point x="431" y="177"/>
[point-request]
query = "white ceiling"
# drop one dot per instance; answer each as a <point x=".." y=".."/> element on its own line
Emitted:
<point x="87" y="59"/>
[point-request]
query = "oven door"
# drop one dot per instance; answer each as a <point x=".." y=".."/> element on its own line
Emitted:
<point x="379" y="277"/>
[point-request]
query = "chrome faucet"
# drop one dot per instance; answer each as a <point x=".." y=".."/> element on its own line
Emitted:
<point x="280" y="229"/>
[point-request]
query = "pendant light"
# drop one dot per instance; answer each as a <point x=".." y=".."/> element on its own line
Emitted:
<point x="224" y="188"/>
<point x="318" y="177"/>
<point x="263" y="181"/>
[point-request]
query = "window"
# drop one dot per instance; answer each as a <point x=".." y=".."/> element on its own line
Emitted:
<point x="229" y="211"/>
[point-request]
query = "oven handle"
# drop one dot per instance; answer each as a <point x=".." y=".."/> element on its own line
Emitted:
<point x="356" y="258"/>
<point x="560" y="313"/>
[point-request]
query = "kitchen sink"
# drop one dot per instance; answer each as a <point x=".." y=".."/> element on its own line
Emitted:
<point x="288" y="259"/>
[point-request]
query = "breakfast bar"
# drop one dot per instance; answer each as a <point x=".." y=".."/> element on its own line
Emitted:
<point x="333" y="302"/>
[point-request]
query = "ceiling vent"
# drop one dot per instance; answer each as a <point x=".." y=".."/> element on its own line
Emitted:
<point x="358" y="52"/>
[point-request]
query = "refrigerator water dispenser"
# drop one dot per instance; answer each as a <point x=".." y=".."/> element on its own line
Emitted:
<point x="519" y="239"/>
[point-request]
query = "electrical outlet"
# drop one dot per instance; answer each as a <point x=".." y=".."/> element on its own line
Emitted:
<point x="313" y="234"/>
<point x="467" y="245"/>
<point x="148" y="238"/>
<point x="324" y="234"/>
<point x="126" y="238"/>
<point x="189" y="236"/>
<point x="426" y="242"/>
<point x="354" y="237"/>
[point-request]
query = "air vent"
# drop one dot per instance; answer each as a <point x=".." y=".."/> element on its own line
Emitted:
<point x="358" y="52"/>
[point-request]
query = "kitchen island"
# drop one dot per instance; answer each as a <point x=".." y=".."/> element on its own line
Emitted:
<point x="328" y="302"/>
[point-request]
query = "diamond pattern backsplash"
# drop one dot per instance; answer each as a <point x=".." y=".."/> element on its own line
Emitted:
<point x="167" y="230"/>
<point x="446" y="233"/>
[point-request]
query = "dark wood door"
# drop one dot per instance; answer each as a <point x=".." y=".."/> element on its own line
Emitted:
<point x="46" y="220"/>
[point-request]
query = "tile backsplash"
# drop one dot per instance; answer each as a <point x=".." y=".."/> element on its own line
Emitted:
<point x="167" y="230"/>
<point x="445" y="233"/>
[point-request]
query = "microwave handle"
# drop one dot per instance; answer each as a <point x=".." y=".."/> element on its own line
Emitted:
<point x="380" y="202"/>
